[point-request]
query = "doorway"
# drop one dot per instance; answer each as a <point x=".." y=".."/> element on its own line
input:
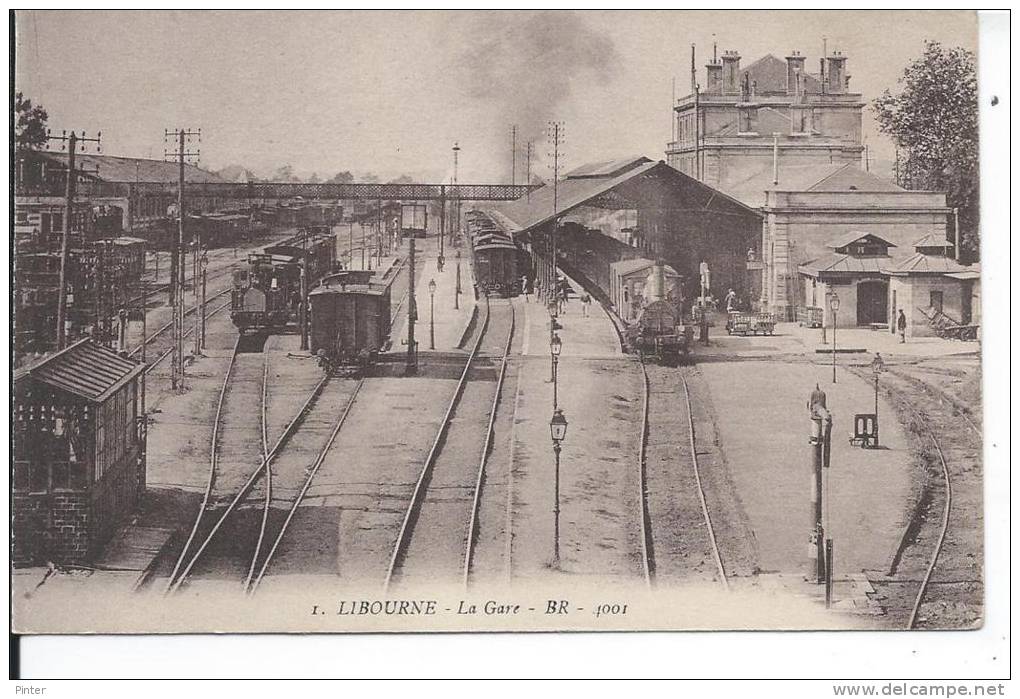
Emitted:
<point x="872" y="302"/>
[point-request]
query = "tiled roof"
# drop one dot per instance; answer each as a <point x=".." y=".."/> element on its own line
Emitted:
<point x="112" y="168"/>
<point x="932" y="241"/>
<point x="769" y="72"/>
<point x="84" y="369"/>
<point x="807" y="178"/>
<point x="853" y="236"/>
<point x="922" y="263"/>
<point x="834" y="263"/>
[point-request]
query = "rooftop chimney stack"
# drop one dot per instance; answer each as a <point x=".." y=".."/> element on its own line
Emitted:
<point x="794" y="65"/>
<point x="713" y="83"/>
<point x="731" y="73"/>
<point x="836" y="73"/>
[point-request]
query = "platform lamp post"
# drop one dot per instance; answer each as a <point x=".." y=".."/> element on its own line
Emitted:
<point x="558" y="431"/>
<point x="432" y="314"/>
<point x="456" y="291"/>
<point x="877" y="367"/>
<point x="834" y="307"/>
<point x="555" y="347"/>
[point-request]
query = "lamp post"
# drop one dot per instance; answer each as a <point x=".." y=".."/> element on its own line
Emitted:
<point x="558" y="431"/>
<point x="834" y="307"/>
<point x="432" y="314"/>
<point x="877" y="367"/>
<point x="555" y="346"/>
<point x="456" y="292"/>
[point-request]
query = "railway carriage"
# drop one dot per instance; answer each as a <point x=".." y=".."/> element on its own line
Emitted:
<point x="498" y="262"/>
<point x="350" y="319"/>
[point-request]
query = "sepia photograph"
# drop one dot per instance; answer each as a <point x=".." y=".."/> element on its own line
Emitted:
<point x="474" y="321"/>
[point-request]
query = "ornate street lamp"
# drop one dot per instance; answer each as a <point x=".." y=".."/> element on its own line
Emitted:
<point x="558" y="431"/>
<point x="834" y="307"/>
<point x="432" y="314"/>
<point x="877" y="367"/>
<point x="555" y="347"/>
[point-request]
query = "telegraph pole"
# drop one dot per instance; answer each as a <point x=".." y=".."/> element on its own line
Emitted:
<point x="73" y="142"/>
<point x="513" y="154"/>
<point x="527" y="170"/>
<point x="179" y="256"/>
<point x="556" y="140"/>
<point x="455" y="218"/>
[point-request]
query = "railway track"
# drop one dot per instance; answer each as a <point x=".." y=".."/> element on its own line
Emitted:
<point x="678" y="538"/>
<point x="439" y="529"/>
<point x="162" y="341"/>
<point x="947" y="572"/>
<point x="246" y="522"/>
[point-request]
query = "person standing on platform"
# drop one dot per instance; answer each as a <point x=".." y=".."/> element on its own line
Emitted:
<point x="585" y="304"/>
<point x="525" y="289"/>
<point x="901" y="325"/>
<point x="731" y="300"/>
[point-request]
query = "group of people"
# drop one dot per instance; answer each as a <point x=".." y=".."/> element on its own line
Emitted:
<point x="561" y="297"/>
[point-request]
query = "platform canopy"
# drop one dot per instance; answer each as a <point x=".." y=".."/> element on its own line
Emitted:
<point x="629" y="183"/>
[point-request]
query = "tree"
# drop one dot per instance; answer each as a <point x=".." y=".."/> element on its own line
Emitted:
<point x="29" y="125"/>
<point x="403" y="179"/>
<point x="934" y="122"/>
<point x="344" y="177"/>
<point x="283" y="174"/>
<point x="314" y="179"/>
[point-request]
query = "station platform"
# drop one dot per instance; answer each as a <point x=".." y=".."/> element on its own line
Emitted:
<point x="449" y="316"/>
<point x="868" y="496"/>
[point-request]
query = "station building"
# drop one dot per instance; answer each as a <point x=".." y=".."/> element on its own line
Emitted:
<point x="79" y="455"/>
<point x="606" y="212"/>
<point x="928" y="285"/>
<point x="787" y="143"/>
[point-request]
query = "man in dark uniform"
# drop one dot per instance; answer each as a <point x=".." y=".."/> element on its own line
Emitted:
<point x="901" y="325"/>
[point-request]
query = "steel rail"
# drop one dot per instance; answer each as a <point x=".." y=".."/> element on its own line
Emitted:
<point x="251" y="585"/>
<point x="265" y="465"/>
<point x="942" y="533"/>
<point x="701" y="489"/>
<point x="403" y="536"/>
<point x="486" y="448"/>
<point x="188" y="333"/>
<point x="162" y="329"/>
<point x="947" y="481"/>
<point x="243" y="490"/>
<point x="213" y="458"/>
<point x="647" y="562"/>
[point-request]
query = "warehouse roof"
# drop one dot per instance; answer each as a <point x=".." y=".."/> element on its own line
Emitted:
<point x="85" y="369"/>
<point x="113" y="168"/>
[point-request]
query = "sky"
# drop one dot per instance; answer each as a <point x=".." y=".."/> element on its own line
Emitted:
<point x="390" y="92"/>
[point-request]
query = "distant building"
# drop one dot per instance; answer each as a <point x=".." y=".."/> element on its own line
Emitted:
<point x="41" y="178"/>
<point x="732" y="126"/>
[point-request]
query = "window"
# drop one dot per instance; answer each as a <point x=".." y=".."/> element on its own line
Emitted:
<point x="936" y="300"/>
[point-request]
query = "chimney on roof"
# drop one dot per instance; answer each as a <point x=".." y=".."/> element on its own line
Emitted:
<point x="713" y="82"/>
<point x="794" y="66"/>
<point x="835" y="73"/>
<point x="731" y="73"/>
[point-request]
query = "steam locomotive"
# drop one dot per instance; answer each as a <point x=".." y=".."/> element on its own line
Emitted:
<point x="267" y="295"/>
